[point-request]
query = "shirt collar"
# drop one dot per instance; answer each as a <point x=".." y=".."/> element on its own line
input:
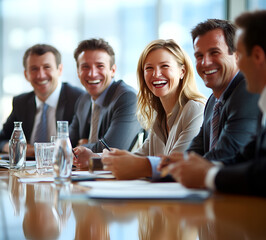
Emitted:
<point x="52" y="100"/>
<point x="262" y="101"/>
<point x="99" y="101"/>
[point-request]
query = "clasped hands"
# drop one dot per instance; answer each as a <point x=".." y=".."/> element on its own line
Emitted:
<point x="189" y="169"/>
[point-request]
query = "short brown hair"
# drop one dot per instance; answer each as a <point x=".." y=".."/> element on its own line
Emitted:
<point x="95" y="44"/>
<point x="253" y="24"/>
<point x="228" y="28"/>
<point x="40" y="49"/>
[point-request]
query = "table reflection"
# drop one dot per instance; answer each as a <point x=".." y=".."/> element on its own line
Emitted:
<point x="17" y="193"/>
<point x="39" y="212"/>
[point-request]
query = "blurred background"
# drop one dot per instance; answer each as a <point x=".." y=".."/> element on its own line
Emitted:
<point x="128" y="25"/>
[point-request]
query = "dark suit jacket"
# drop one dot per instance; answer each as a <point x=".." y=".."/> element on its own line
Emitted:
<point x="118" y="123"/>
<point x="24" y="109"/>
<point x="237" y="124"/>
<point x="248" y="174"/>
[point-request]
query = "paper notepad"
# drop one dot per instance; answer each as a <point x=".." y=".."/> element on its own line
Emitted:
<point x="139" y="189"/>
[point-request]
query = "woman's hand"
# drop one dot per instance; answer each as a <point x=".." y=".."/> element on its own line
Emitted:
<point x="125" y="165"/>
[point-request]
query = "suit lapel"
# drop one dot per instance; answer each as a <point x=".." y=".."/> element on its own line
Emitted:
<point x="261" y="143"/>
<point x="207" y="121"/>
<point x="30" y="116"/>
<point x="86" y="116"/>
<point x="62" y="104"/>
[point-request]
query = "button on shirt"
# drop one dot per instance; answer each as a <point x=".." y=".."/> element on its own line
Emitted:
<point x="52" y="101"/>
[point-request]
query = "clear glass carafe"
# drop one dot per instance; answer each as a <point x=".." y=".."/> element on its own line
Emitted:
<point x="63" y="156"/>
<point x="17" y="147"/>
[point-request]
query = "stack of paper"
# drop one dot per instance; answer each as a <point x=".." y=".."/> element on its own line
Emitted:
<point x="138" y="189"/>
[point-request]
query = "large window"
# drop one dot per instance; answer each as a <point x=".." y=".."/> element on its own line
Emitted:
<point x="128" y="25"/>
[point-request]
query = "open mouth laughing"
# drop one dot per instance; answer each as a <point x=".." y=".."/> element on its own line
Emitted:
<point x="159" y="83"/>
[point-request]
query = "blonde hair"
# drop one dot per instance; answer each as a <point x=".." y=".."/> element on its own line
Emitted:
<point x="148" y="103"/>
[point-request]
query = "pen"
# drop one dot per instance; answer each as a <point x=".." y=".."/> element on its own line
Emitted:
<point x="74" y="153"/>
<point x="104" y="144"/>
<point x="165" y="171"/>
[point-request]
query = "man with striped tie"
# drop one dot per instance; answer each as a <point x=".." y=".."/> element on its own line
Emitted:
<point x="231" y="113"/>
<point x="248" y="174"/>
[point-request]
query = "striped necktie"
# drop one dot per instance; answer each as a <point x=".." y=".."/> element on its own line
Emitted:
<point x="94" y="123"/>
<point x="215" y="124"/>
<point x="41" y="131"/>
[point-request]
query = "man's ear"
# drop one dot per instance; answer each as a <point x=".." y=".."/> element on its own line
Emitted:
<point x="113" y="69"/>
<point x="25" y="75"/>
<point x="258" y="55"/>
<point x="60" y="68"/>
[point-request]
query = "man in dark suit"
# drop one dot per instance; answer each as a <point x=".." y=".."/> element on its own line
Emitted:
<point x="235" y="122"/>
<point x="216" y="63"/>
<point x="43" y="67"/>
<point x="116" y="120"/>
<point x="248" y="174"/>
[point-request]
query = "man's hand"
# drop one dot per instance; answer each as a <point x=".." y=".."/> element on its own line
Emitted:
<point x="167" y="160"/>
<point x="191" y="172"/>
<point x="30" y="150"/>
<point x="83" y="156"/>
<point x="125" y="165"/>
<point x="82" y="141"/>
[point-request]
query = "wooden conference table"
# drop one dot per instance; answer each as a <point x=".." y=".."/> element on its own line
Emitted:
<point x="34" y="211"/>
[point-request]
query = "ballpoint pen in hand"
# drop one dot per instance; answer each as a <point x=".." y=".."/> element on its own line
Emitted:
<point x="74" y="153"/>
<point x="104" y="144"/>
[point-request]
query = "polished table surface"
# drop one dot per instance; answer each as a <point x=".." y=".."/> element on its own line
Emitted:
<point x="36" y="211"/>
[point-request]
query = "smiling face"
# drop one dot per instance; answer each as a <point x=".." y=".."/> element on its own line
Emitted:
<point x="213" y="62"/>
<point x="94" y="71"/>
<point x="43" y="74"/>
<point x="162" y="74"/>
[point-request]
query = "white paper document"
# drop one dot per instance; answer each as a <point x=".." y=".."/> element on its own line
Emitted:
<point x="31" y="176"/>
<point x="138" y="189"/>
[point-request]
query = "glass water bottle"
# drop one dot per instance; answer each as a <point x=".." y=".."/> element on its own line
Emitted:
<point x="17" y="147"/>
<point x="63" y="158"/>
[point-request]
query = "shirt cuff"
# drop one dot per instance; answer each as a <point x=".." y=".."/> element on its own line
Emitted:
<point x="210" y="177"/>
<point x="154" y="161"/>
<point x="218" y="163"/>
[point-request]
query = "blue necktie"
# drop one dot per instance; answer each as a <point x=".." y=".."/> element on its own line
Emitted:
<point x="215" y="124"/>
<point x="41" y="132"/>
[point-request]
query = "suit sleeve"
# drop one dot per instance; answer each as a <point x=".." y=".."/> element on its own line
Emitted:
<point x="7" y="128"/>
<point x="124" y="125"/>
<point x="246" y="178"/>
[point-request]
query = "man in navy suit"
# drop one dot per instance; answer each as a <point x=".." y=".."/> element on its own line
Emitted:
<point x="116" y="101"/>
<point x="216" y="63"/>
<point x="237" y="118"/>
<point x="248" y="174"/>
<point x="42" y="69"/>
